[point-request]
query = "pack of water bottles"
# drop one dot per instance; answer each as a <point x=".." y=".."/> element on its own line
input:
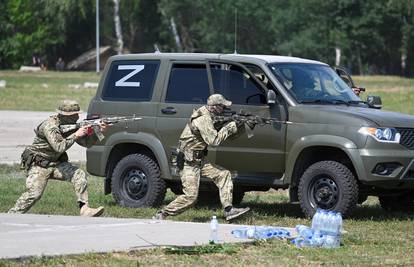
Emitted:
<point x="252" y="232"/>
<point x="261" y="232"/>
<point x="325" y="232"/>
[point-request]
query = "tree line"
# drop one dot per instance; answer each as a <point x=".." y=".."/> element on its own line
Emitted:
<point x="365" y="36"/>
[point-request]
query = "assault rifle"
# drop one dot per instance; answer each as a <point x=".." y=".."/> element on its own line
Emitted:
<point x="94" y="124"/>
<point x="245" y="118"/>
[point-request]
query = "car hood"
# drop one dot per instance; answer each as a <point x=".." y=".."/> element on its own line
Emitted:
<point x="349" y="115"/>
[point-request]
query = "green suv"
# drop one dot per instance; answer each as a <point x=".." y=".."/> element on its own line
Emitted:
<point x="331" y="150"/>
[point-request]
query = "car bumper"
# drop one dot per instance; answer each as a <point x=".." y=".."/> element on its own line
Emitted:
<point x="385" y="168"/>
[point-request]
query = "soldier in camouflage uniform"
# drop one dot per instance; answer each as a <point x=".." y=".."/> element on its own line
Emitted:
<point x="46" y="159"/>
<point x="194" y="140"/>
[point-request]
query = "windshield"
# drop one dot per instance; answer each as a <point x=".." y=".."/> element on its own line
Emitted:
<point x="313" y="83"/>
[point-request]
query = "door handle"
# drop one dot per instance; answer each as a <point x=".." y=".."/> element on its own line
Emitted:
<point x="169" y="110"/>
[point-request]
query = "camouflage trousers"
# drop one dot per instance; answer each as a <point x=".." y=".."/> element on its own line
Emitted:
<point x="190" y="178"/>
<point x="37" y="180"/>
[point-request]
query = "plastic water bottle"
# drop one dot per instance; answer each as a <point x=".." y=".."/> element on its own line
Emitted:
<point x="280" y="233"/>
<point x="323" y="220"/>
<point x="260" y="232"/>
<point x="339" y="222"/>
<point x="330" y="241"/>
<point x="214" y="230"/>
<point x="318" y="239"/>
<point x="304" y="231"/>
<point x="263" y="233"/>
<point x="303" y="242"/>
<point x="330" y="223"/>
<point x="316" y="221"/>
<point x="332" y="230"/>
<point x="251" y="232"/>
<point x="240" y="233"/>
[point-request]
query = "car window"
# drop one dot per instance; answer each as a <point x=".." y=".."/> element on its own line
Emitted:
<point x="131" y="80"/>
<point x="236" y="85"/>
<point x="311" y="82"/>
<point x="188" y="83"/>
<point x="261" y="75"/>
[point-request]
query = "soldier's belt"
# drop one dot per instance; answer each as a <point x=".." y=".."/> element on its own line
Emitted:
<point x="200" y="154"/>
<point x="41" y="162"/>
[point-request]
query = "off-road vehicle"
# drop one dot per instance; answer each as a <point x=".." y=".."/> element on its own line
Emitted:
<point x="331" y="150"/>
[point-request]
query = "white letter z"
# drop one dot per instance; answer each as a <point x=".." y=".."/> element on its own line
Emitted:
<point x="122" y="81"/>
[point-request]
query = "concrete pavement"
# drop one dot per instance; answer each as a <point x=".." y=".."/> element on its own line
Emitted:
<point x="24" y="235"/>
<point x="17" y="131"/>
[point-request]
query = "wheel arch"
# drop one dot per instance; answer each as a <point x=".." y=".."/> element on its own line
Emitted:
<point x="310" y="150"/>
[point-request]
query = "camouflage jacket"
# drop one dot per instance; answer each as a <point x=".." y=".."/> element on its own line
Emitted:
<point x="51" y="144"/>
<point x="200" y="132"/>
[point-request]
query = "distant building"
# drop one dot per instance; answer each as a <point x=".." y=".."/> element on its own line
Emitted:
<point x="87" y="61"/>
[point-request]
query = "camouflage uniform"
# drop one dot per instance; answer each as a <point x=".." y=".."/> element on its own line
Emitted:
<point x="197" y="135"/>
<point x="48" y="160"/>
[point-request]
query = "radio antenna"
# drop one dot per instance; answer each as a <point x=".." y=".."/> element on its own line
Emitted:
<point x="235" y="31"/>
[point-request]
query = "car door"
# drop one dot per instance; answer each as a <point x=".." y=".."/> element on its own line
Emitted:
<point x="186" y="88"/>
<point x="263" y="155"/>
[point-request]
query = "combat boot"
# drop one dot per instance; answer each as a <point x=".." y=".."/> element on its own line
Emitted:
<point x="86" y="211"/>
<point x="160" y="215"/>
<point x="235" y="212"/>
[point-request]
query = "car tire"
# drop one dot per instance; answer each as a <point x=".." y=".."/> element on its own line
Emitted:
<point x="328" y="185"/>
<point x="137" y="182"/>
<point x="404" y="203"/>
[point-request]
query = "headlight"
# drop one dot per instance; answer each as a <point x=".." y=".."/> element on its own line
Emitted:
<point x="382" y="134"/>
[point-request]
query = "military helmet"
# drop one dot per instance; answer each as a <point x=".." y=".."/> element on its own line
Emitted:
<point x="68" y="107"/>
<point x="218" y="99"/>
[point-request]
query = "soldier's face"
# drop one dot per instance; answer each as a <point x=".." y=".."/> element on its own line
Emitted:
<point x="69" y="119"/>
<point x="217" y="109"/>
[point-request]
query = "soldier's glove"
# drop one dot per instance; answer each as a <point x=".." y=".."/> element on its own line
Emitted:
<point x="239" y="124"/>
<point x="251" y="124"/>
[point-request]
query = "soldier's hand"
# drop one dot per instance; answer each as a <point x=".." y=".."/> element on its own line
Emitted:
<point x="251" y="124"/>
<point x="82" y="131"/>
<point x="239" y="124"/>
<point x="104" y="126"/>
<point x="356" y="90"/>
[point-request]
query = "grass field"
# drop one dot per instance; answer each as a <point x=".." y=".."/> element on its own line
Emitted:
<point x="374" y="236"/>
<point x="42" y="91"/>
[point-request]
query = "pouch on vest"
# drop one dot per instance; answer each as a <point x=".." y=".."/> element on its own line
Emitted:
<point x="177" y="158"/>
<point x="27" y="158"/>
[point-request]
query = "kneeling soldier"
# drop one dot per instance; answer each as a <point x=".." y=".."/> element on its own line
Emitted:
<point x="197" y="135"/>
<point x="46" y="159"/>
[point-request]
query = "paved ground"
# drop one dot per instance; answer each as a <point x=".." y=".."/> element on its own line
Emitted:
<point x="36" y="235"/>
<point x="16" y="131"/>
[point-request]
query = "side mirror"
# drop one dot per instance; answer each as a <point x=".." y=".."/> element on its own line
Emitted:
<point x="374" y="101"/>
<point x="271" y="97"/>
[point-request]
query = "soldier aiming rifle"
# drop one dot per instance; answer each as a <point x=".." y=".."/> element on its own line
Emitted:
<point x="197" y="136"/>
<point x="46" y="159"/>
